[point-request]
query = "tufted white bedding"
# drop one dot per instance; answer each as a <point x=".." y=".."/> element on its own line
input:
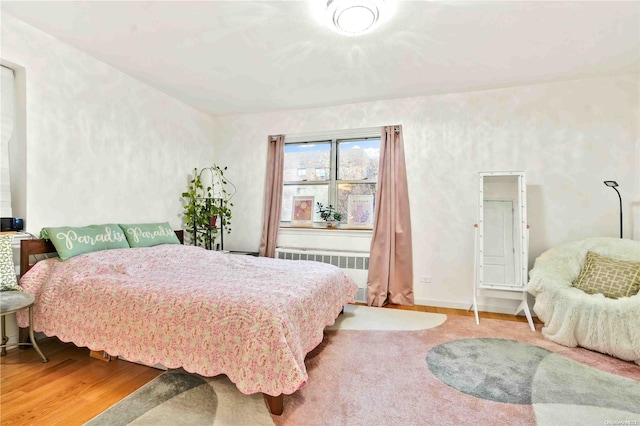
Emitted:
<point x="253" y="319"/>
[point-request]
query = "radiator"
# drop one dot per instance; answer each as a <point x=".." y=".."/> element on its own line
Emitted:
<point x="354" y="263"/>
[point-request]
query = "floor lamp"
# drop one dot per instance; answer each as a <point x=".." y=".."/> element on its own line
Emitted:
<point x="613" y="184"/>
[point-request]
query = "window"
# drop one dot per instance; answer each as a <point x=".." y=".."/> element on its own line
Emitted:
<point x="330" y="170"/>
<point x="8" y="124"/>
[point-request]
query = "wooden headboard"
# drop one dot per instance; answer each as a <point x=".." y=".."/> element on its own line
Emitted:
<point x="33" y="247"/>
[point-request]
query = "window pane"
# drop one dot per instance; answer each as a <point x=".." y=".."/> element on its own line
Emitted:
<point x="346" y="189"/>
<point x="307" y="161"/>
<point x="321" y="192"/>
<point x="358" y="159"/>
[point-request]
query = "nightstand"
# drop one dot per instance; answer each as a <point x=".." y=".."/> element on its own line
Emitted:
<point x="11" y="302"/>
<point x="246" y="253"/>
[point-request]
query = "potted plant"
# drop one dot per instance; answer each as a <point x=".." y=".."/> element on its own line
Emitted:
<point x="208" y="206"/>
<point x="329" y="214"/>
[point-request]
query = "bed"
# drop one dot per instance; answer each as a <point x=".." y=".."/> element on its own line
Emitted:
<point x="252" y="319"/>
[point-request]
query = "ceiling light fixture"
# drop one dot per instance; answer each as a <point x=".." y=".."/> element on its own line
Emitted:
<point x="355" y="17"/>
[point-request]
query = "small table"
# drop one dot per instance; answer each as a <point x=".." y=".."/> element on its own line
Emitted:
<point x="246" y="253"/>
<point x="14" y="301"/>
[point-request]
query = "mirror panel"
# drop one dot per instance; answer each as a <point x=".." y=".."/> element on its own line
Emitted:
<point x="502" y="257"/>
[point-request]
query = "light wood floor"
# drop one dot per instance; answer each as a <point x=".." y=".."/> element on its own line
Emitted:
<point x="72" y="387"/>
<point x="469" y="313"/>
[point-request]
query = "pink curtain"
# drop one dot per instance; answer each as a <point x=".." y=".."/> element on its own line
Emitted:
<point x="391" y="260"/>
<point x="272" y="196"/>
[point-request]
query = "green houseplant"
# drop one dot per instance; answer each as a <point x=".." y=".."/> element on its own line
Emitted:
<point x="208" y="205"/>
<point x="329" y="214"/>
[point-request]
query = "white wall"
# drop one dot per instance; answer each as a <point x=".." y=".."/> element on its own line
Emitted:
<point x="567" y="136"/>
<point x="100" y="145"/>
<point x="103" y="147"/>
<point x="94" y="145"/>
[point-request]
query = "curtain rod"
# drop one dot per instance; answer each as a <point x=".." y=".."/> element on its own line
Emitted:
<point x="396" y="128"/>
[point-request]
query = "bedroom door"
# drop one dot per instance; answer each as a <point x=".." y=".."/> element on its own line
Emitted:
<point x="499" y="267"/>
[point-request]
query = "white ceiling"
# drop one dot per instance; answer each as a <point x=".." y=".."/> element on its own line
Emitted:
<point x="227" y="57"/>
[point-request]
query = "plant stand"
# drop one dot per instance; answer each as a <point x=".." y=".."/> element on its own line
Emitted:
<point x="212" y="229"/>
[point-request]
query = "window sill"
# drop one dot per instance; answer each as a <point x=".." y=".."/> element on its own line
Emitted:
<point x="324" y="228"/>
<point x="355" y="239"/>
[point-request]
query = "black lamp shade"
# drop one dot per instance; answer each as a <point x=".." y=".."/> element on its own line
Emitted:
<point x="613" y="184"/>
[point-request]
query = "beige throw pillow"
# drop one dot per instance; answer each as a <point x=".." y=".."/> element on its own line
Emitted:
<point x="610" y="277"/>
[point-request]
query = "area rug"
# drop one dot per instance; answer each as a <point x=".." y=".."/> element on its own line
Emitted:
<point x="179" y="398"/>
<point x="394" y="372"/>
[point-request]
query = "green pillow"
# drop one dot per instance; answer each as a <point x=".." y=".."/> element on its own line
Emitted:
<point x="72" y="241"/>
<point x="149" y="234"/>
<point x="7" y="268"/>
<point x="611" y="277"/>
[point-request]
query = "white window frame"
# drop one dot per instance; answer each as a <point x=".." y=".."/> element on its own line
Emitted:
<point x="334" y="138"/>
<point x="8" y="125"/>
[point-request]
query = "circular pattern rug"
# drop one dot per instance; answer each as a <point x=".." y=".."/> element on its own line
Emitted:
<point x="515" y="372"/>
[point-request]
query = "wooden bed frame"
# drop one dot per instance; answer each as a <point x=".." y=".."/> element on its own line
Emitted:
<point x="30" y="248"/>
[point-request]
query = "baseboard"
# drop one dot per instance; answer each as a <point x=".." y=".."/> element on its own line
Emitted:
<point x="468" y="306"/>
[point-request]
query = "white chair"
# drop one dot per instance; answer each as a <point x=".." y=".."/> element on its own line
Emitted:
<point x="572" y="317"/>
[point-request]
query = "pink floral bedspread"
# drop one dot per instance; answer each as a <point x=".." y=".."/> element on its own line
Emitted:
<point x="253" y="319"/>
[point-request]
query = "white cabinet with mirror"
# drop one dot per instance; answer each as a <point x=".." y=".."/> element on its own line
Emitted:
<point x="502" y="240"/>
